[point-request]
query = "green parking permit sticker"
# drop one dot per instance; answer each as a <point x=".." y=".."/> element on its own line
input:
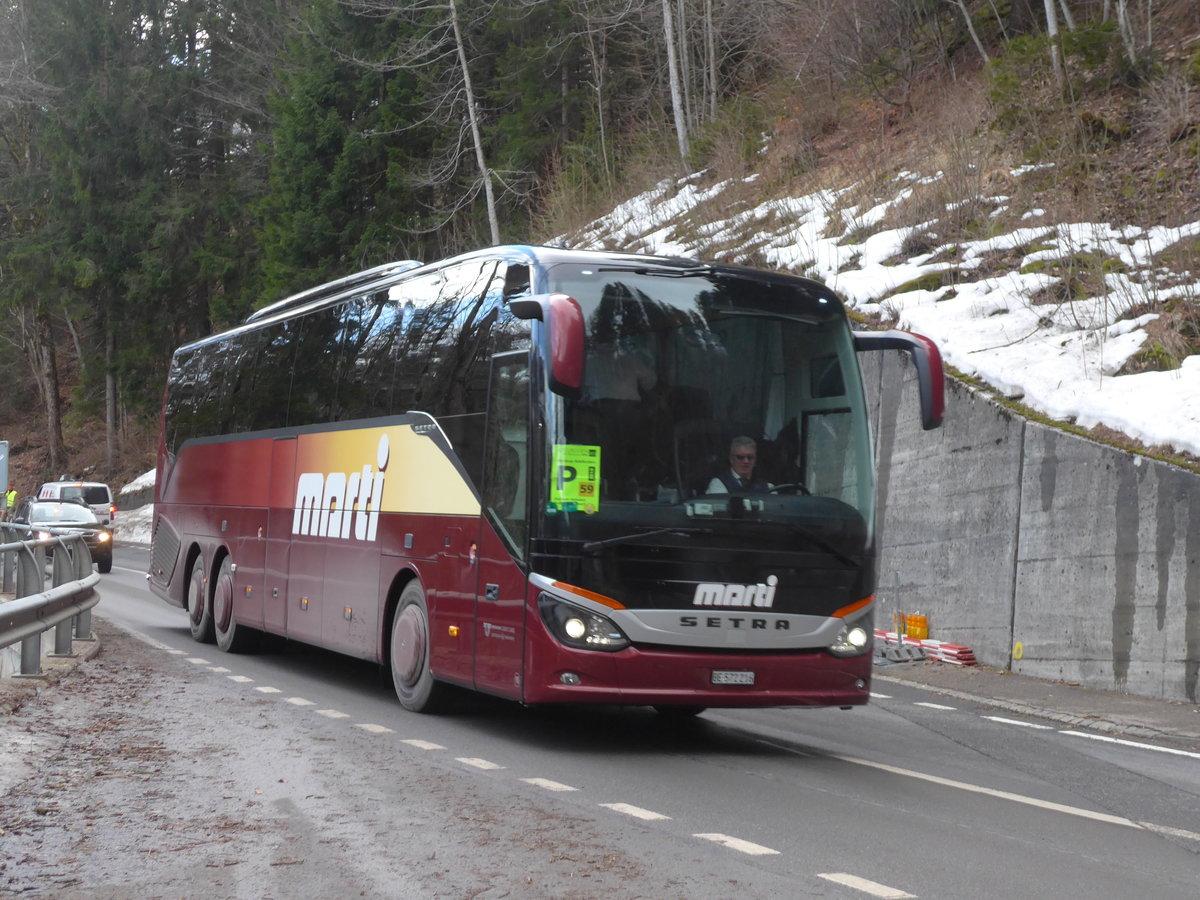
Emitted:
<point x="575" y="478"/>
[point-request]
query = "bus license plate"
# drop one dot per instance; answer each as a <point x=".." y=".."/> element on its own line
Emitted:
<point x="727" y="677"/>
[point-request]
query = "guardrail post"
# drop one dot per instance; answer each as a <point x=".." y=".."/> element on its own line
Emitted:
<point x="80" y="568"/>
<point x="8" y="569"/>
<point x="31" y="579"/>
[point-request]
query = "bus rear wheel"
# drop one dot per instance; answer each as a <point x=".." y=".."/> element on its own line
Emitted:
<point x="415" y="685"/>
<point x="199" y="610"/>
<point x="231" y="637"/>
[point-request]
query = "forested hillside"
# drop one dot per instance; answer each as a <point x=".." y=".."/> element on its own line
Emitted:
<point x="170" y="165"/>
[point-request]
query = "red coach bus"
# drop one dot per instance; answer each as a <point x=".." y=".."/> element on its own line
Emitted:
<point x="513" y="471"/>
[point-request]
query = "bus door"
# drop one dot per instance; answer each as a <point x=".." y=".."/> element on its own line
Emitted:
<point x="504" y="530"/>
<point x="282" y="499"/>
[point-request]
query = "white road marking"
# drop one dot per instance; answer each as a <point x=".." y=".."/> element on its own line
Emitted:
<point x="198" y="661"/>
<point x="300" y="701"/>
<point x="240" y="679"/>
<point x="423" y="745"/>
<point x="1170" y="832"/>
<point x="636" y="811"/>
<point x="933" y="705"/>
<point x="332" y="714"/>
<point x="1125" y="743"/>
<point x="478" y="763"/>
<point x="874" y="888"/>
<point x="160" y="646"/>
<point x="1004" y="721"/>
<point x="992" y="792"/>
<point x="875" y="696"/>
<point x="219" y="669"/>
<point x="548" y="784"/>
<point x="738" y="844"/>
<point x="373" y="728"/>
<point x="268" y="690"/>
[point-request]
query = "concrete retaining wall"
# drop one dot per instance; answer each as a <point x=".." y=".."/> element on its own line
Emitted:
<point x="1044" y="552"/>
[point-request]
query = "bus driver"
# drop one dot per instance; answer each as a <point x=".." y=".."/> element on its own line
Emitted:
<point x="739" y="477"/>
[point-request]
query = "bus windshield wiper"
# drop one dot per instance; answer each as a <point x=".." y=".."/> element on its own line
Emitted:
<point x="625" y="538"/>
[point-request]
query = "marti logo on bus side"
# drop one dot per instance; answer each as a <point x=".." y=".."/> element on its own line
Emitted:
<point x="739" y="596"/>
<point x="338" y="503"/>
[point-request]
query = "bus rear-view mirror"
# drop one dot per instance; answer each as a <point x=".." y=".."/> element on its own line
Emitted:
<point x="927" y="360"/>
<point x="564" y="320"/>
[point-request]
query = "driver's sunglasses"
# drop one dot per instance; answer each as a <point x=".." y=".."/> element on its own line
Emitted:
<point x="744" y="457"/>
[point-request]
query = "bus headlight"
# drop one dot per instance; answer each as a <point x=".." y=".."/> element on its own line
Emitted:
<point x="855" y="638"/>
<point x="578" y="627"/>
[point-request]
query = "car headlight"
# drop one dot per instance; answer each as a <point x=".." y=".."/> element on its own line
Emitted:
<point x="578" y="627"/>
<point x="103" y="537"/>
<point x="855" y="637"/>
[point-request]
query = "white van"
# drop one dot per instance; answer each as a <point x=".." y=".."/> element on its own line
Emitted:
<point x="95" y="494"/>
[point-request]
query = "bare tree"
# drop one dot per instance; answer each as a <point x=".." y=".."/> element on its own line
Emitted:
<point x="677" y="108"/>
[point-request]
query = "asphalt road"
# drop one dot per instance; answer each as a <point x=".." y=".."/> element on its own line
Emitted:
<point x="295" y="773"/>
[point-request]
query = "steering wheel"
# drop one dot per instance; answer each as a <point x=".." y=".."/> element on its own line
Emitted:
<point x="792" y="487"/>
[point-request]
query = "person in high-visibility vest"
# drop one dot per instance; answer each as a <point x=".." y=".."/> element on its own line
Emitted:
<point x="10" y="502"/>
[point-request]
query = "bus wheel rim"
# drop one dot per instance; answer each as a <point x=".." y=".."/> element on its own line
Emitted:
<point x="223" y="602"/>
<point x="408" y="648"/>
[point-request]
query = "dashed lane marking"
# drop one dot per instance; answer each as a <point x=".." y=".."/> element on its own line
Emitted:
<point x="240" y="679"/>
<point x="1124" y="743"/>
<point x="198" y="661"/>
<point x="374" y="729"/>
<point x="263" y="689"/>
<point x="738" y="844"/>
<point x="220" y="670"/>
<point x="933" y="705"/>
<point x="636" y="811"/>
<point x="875" y="696"/>
<point x="332" y="714"/>
<point x="874" y="888"/>
<point x="548" y="784"/>
<point x="478" y="763"/>
<point x="300" y="701"/>
<point x="423" y="745"/>
<point x="1033" y="725"/>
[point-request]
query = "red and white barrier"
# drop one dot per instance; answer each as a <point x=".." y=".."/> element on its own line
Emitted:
<point x="956" y="654"/>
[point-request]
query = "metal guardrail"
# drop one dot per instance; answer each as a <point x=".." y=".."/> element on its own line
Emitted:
<point x="65" y="607"/>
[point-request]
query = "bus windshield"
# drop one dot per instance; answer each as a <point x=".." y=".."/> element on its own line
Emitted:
<point x="716" y="402"/>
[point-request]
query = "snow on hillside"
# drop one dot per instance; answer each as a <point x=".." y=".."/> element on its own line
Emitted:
<point x="1058" y="358"/>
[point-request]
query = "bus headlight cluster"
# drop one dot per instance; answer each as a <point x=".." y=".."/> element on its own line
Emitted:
<point x="578" y="627"/>
<point x="855" y="637"/>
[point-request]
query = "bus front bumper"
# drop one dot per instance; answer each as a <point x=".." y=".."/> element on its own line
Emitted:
<point x="659" y="676"/>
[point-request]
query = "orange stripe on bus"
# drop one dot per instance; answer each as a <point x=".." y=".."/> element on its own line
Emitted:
<point x="590" y="595"/>
<point x="853" y="607"/>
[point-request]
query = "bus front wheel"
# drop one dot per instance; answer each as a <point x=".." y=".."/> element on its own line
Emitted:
<point x="199" y="610"/>
<point x="415" y="685"/>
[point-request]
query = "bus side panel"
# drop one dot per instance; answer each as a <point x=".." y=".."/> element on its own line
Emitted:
<point x="216" y="475"/>
<point x="451" y="600"/>
<point x="279" y="534"/>
<point x="350" y="616"/>
<point x="499" y="618"/>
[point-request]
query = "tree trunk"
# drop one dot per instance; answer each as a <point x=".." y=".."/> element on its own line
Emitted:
<point x="45" y="363"/>
<point x="1052" y="34"/>
<point x="473" y="117"/>
<point x="110" y="403"/>
<point x="962" y="5"/>
<point x="676" y="89"/>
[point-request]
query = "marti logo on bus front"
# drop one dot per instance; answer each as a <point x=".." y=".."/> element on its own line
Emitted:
<point x="334" y="504"/>
<point x="737" y="595"/>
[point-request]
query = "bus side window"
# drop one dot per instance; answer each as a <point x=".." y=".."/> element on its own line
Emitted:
<point x="505" y="486"/>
